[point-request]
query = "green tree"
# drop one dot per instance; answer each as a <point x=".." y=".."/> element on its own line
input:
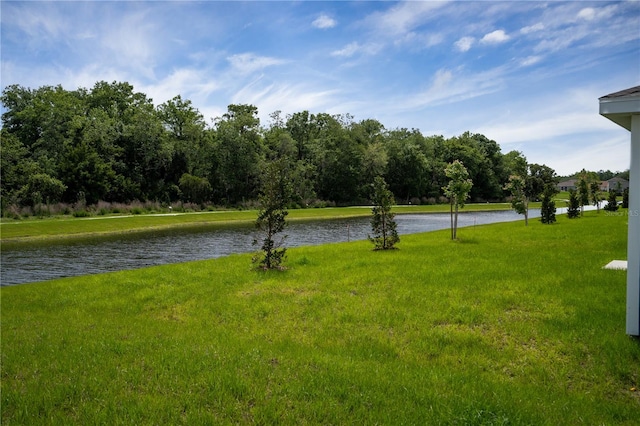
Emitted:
<point x="584" y="179"/>
<point x="383" y="225"/>
<point x="573" y="210"/>
<point x="41" y="188"/>
<point x="548" y="207"/>
<point x="239" y="151"/>
<point x="612" y="202"/>
<point x="194" y="189"/>
<point x="408" y="170"/>
<point x="529" y="182"/>
<point x="517" y="186"/>
<point x="457" y="191"/>
<point x="594" y="193"/>
<point x="275" y="195"/>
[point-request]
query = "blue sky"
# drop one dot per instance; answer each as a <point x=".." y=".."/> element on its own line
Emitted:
<point x="526" y="74"/>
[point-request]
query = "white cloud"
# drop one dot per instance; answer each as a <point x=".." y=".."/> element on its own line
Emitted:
<point x="590" y="13"/>
<point x="532" y="28"/>
<point x="417" y="40"/>
<point x="132" y="43"/>
<point x="530" y="60"/>
<point x="451" y="86"/>
<point x="323" y="22"/>
<point x="587" y="13"/>
<point x="194" y="84"/>
<point x="403" y="17"/>
<point x="288" y="98"/>
<point x="464" y="43"/>
<point x="247" y="63"/>
<point x="495" y="37"/>
<point x="353" y="48"/>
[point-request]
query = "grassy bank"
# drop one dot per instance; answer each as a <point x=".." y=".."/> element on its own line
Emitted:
<point x="69" y="227"/>
<point x="510" y="325"/>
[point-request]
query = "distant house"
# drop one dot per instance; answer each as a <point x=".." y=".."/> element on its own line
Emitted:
<point x="614" y="184"/>
<point x="567" y="185"/>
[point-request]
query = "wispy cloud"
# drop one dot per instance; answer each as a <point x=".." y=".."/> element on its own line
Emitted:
<point x="455" y="85"/>
<point x="131" y="42"/>
<point x="247" y="63"/>
<point x="403" y="17"/>
<point x="354" y="48"/>
<point x="464" y="44"/>
<point x="530" y="60"/>
<point x="324" y="21"/>
<point x="288" y="98"/>
<point x="532" y="28"/>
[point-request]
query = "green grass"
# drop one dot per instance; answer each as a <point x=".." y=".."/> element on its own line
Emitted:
<point x="65" y="227"/>
<point x="509" y="325"/>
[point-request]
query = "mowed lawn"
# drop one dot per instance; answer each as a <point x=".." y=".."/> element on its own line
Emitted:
<point x="510" y="325"/>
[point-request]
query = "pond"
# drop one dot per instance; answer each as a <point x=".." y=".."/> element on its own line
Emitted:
<point x="49" y="260"/>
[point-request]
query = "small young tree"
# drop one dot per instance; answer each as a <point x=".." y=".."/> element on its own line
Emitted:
<point x="519" y="200"/>
<point x="573" y="210"/>
<point x="625" y="198"/>
<point x="457" y="191"/>
<point x="548" y="207"/>
<point x="612" y="202"/>
<point x="274" y="196"/>
<point x="594" y="193"/>
<point x="583" y="189"/>
<point x="385" y="235"/>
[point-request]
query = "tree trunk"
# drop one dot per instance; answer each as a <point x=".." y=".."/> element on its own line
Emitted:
<point x="451" y="217"/>
<point x="455" y="224"/>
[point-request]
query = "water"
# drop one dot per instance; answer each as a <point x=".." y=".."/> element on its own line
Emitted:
<point x="46" y="261"/>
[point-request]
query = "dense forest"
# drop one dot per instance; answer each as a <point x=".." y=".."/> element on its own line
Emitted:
<point x="112" y="144"/>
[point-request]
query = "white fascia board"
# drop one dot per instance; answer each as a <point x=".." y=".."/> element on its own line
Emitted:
<point x="620" y="110"/>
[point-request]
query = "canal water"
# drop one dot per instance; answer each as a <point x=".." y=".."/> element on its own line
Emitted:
<point x="49" y="260"/>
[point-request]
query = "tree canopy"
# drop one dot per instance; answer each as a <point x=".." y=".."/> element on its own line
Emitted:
<point x="111" y="143"/>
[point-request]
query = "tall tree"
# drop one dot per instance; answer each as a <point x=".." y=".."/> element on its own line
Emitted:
<point x="408" y="172"/>
<point x="239" y="151"/>
<point x="457" y="191"/>
<point x="383" y="225"/>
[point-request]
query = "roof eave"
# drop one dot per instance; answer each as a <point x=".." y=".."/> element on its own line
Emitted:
<point x="620" y="106"/>
<point x="620" y="110"/>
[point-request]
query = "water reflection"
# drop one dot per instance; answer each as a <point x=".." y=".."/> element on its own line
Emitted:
<point x="45" y="261"/>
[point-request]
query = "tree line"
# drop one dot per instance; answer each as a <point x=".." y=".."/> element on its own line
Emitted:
<point x="111" y="143"/>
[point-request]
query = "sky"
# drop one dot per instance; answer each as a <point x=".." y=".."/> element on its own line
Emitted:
<point x="527" y="74"/>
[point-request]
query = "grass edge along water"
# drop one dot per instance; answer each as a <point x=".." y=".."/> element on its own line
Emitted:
<point x="508" y="325"/>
